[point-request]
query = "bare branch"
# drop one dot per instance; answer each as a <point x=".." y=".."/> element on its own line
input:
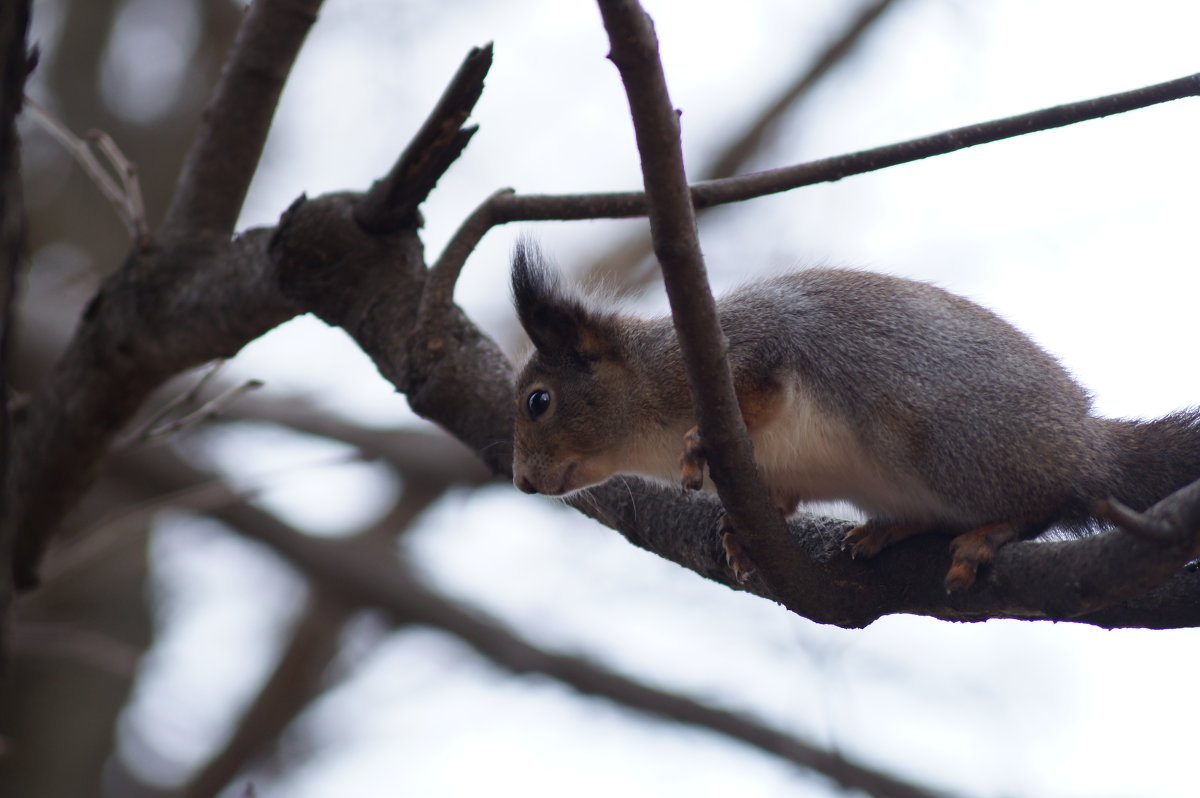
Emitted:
<point x="707" y="193"/>
<point x="702" y="345"/>
<point x="443" y="276"/>
<point x="71" y="641"/>
<point x="299" y="674"/>
<point x="131" y="188"/>
<point x="296" y="680"/>
<point x="631" y="253"/>
<point x="354" y="571"/>
<point x="15" y="64"/>
<point x="392" y="202"/>
<point x="431" y="456"/>
<point x="223" y="158"/>
<point x="205" y="412"/>
<point x="730" y="161"/>
<point x="135" y="335"/>
<point x="127" y="197"/>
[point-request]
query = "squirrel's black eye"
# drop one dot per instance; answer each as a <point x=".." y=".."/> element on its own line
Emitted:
<point x="537" y="402"/>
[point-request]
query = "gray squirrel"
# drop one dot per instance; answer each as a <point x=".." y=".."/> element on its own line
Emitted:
<point x="927" y="412"/>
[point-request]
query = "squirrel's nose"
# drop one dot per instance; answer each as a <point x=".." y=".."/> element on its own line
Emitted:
<point x="522" y="482"/>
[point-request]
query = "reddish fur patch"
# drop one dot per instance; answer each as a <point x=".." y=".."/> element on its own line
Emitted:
<point x="760" y="401"/>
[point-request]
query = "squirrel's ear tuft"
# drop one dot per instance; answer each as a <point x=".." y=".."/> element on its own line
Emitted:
<point x="558" y="321"/>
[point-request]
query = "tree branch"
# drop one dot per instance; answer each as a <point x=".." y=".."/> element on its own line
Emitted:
<point x="631" y="253"/>
<point x="177" y="307"/>
<point x="392" y="201"/>
<point x="505" y="208"/>
<point x="225" y="154"/>
<point x="727" y="448"/>
<point x="358" y="575"/>
<point x="735" y="155"/>
<point x="165" y="311"/>
<point x="14" y="67"/>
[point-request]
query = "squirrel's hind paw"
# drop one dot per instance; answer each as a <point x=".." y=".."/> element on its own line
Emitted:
<point x="974" y="548"/>
<point x="867" y="540"/>
<point x="691" y="461"/>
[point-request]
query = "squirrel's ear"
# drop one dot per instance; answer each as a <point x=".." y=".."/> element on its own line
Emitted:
<point x="557" y="321"/>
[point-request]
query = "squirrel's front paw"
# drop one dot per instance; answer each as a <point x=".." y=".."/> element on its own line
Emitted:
<point x="691" y="462"/>
<point x="735" y="556"/>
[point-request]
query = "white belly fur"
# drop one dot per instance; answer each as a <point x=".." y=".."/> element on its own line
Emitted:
<point x="803" y="452"/>
<point x="815" y="456"/>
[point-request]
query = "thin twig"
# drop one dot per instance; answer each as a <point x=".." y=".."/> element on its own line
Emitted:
<point x="505" y="206"/>
<point x="629" y="255"/>
<point x="134" y="205"/>
<point x="188" y="397"/>
<point x="706" y="193"/>
<point x="126" y="197"/>
<point x="210" y="409"/>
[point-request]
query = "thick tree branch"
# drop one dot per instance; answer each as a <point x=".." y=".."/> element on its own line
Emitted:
<point x="702" y="345"/>
<point x="224" y="156"/>
<point x="193" y="297"/>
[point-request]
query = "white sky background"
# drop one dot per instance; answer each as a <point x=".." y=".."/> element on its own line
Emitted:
<point x="1084" y="237"/>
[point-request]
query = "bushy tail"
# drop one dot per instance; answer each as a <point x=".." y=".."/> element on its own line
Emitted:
<point x="1155" y="458"/>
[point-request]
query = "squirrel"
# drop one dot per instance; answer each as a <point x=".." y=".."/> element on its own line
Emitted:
<point x="926" y="411"/>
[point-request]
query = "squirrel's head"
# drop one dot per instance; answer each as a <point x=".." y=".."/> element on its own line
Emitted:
<point x="573" y="394"/>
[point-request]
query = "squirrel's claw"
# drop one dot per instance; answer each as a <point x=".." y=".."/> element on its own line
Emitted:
<point x="691" y="461"/>
<point x="735" y="555"/>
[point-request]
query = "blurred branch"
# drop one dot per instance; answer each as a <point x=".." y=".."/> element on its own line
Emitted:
<point x="15" y="66"/>
<point x="730" y="161"/>
<point x="628" y="254"/>
<point x="225" y="154"/>
<point x="209" y="410"/>
<point x="417" y="455"/>
<point x="76" y="642"/>
<point x="162" y="313"/>
<point x="503" y="207"/>
<point x="126" y="198"/>
<point x="299" y="675"/>
<point x="354" y="572"/>
<point x="293" y="684"/>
